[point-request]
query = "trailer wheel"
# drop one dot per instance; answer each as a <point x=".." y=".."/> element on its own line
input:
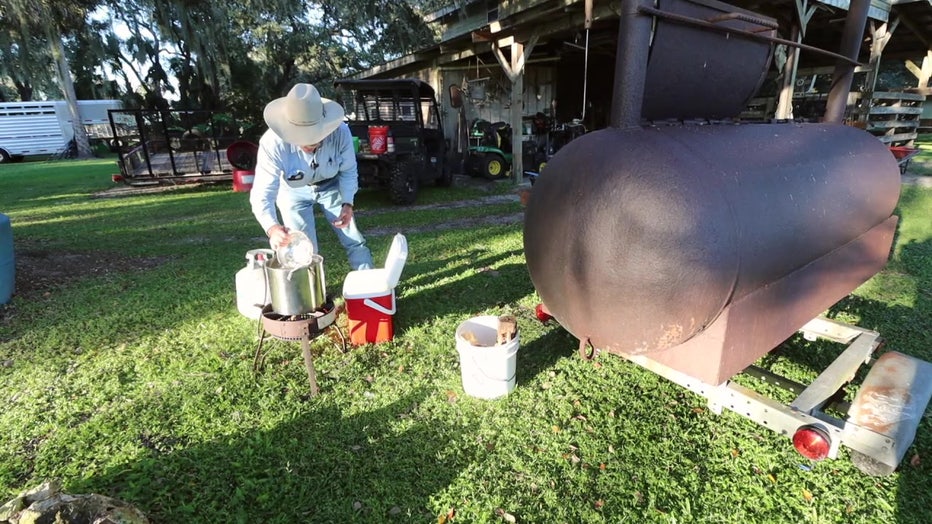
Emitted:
<point x="5" y="157"/>
<point x="870" y="466"/>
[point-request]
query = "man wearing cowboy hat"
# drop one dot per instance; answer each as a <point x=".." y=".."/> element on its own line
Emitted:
<point x="306" y="158"/>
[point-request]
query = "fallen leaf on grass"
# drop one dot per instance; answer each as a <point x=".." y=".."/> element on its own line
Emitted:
<point x="599" y="503"/>
<point x="451" y="396"/>
<point x="735" y="453"/>
<point x="807" y="495"/>
<point x="445" y="518"/>
<point x="571" y="457"/>
<point x="556" y="429"/>
<point x="772" y="478"/>
<point x="915" y="461"/>
<point x="507" y="517"/>
<point x="489" y="270"/>
<point x="602" y="466"/>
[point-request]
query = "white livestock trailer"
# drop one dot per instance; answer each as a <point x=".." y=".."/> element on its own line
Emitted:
<point x="46" y="127"/>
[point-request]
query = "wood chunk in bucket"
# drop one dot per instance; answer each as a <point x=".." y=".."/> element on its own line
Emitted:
<point x="470" y="337"/>
<point x="507" y="329"/>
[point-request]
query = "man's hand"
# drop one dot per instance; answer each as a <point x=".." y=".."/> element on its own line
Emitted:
<point x="278" y="235"/>
<point x="346" y="215"/>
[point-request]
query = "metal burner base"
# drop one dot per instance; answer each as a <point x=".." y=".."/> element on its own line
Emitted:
<point x="298" y="327"/>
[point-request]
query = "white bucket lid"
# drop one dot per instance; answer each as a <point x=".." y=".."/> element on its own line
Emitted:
<point x="395" y="260"/>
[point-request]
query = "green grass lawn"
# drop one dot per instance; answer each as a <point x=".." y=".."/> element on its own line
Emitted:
<point x="130" y="375"/>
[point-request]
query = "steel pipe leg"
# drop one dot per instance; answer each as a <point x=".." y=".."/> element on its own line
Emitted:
<point x="342" y="338"/>
<point x="257" y="362"/>
<point x="309" y="363"/>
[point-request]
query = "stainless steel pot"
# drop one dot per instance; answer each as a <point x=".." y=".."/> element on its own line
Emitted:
<point x="299" y="290"/>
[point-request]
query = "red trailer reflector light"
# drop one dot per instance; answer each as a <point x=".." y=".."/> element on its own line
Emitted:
<point x="812" y="442"/>
<point x="542" y="313"/>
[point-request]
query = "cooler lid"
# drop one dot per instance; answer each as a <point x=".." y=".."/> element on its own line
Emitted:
<point x="395" y="260"/>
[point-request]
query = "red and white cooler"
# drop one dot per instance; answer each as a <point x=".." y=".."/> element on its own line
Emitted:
<point x="370" y="297"/>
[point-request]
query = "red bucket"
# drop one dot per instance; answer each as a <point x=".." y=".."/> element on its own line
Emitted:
<point x="378" y="139"/>
<point x="242" y="180"/>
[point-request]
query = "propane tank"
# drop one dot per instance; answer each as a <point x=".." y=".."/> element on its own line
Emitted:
<point x="252" y="288"/>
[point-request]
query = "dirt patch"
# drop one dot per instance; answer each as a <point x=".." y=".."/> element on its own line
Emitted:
<point x="39" y="272"/>
<point x="123" y="190"/>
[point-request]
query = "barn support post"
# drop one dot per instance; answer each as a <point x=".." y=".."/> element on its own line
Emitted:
<point x="514" y="69"/>
<point x="922" y="73"/>
<point x="880" y="37"/>
<point x="804" y="13"/>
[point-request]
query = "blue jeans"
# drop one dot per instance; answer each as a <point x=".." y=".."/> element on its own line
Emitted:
<point x="297" y="210"/>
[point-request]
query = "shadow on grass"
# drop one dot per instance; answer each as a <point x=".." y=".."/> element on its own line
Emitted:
<point x="325" y="465"/>
<point x="542" y="354"/>
<point x="491" y="286"/>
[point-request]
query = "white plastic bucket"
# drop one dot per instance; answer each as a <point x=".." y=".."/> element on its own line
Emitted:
<point x="488" y="370"/>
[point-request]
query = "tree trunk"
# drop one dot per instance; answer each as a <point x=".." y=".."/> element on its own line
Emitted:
<point x="67" y="84"/>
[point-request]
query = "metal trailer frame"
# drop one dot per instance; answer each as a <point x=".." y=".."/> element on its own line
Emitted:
<point x="877" y="441"/>
<point x="172" y="146"/>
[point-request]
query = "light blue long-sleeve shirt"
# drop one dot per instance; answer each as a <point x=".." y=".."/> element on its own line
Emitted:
<point x="333" y="164"/>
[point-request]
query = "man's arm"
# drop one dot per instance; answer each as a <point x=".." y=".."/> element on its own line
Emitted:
<point x="348" y="176"/>
<point x="266" y="181"/>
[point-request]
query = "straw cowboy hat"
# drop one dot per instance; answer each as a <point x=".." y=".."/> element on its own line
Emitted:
<point x="303" y="117"/>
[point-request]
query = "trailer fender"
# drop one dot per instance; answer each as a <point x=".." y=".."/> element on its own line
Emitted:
<point x="891" y="401"/>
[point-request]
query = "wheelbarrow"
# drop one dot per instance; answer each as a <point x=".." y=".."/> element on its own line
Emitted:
<point x="903" y="155"/>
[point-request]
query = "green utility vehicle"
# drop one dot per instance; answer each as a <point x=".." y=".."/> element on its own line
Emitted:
<point x="412" y="151"/>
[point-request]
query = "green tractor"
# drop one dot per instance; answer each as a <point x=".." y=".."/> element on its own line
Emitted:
<point x="490" y="151"/>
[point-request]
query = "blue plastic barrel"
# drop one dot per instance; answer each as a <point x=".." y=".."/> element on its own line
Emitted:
<point x="7" y="261"/>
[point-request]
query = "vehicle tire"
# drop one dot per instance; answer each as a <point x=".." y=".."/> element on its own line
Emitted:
<point x="494" y="166"/>
<point x="446" y="176"/>
<point x="404" y="181"/>
<point x="870" y="466"/>
<point x="5" y="157"/>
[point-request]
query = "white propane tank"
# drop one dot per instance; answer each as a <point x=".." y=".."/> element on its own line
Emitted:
<point x="252" y="289"/>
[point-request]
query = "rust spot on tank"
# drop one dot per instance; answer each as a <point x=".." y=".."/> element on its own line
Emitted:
<point x="670" y="337"/>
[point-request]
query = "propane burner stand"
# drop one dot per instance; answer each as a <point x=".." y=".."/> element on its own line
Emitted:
<point x="292" y="328"/>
